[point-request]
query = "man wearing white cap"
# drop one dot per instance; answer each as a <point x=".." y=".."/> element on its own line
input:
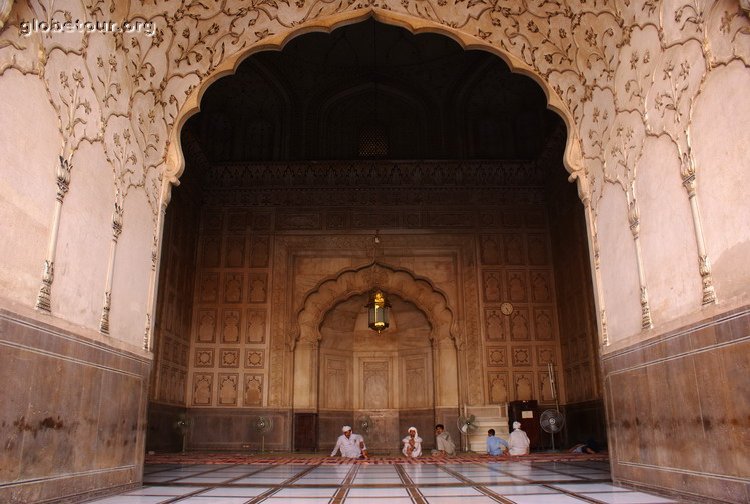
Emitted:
<point x="412" y="443"/>
<point x="351" y="445"/>
<point x="518" y="441"/>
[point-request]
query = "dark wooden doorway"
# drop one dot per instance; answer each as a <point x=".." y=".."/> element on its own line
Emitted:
<point x="305" y="432"/>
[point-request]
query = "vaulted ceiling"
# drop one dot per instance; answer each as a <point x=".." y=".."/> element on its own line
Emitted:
<point x="372" y="91"/>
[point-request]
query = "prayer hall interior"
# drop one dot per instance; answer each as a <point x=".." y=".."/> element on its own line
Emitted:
<point x="548" y="199"/>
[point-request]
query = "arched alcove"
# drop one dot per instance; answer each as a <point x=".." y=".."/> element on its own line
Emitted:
<point x="353" y="284"/>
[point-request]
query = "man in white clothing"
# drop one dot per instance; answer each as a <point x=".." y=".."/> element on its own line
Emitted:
<point x="518" y="441"/>
<point x="412" y="443"/>
<point x="351" y="445"/>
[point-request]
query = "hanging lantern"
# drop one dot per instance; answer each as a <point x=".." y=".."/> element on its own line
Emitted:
<point x="377" y="311"/>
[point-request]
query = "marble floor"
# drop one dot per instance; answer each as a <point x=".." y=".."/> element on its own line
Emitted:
<point x="465" y="483"/>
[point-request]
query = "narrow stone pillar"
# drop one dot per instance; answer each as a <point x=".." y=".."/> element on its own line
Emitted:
<point x="43" y="299"/>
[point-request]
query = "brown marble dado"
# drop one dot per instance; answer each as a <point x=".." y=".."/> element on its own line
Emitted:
<point x="73" y="413"/>
<point x="676" y="423"/>
<point x="234" y="429"/>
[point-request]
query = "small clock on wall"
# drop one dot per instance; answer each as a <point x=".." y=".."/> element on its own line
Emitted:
<point x="506" y="308"/>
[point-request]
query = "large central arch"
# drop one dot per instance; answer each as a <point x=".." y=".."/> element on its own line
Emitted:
<point x="331" y="291"/>
<point x="175" y="159"/>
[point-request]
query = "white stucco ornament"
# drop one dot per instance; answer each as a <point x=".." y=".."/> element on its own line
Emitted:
<point x="5" y="6"/>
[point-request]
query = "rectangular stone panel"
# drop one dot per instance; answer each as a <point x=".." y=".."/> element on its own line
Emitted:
<point x="253" y="389"/>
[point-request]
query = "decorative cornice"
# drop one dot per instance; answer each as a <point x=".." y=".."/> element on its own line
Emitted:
<point x="368" y="174"/>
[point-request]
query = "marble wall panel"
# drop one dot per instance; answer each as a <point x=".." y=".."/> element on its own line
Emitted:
<point x="233" y="429"/>
<point x="673" y="395"/>
<point x="56" y="433"/>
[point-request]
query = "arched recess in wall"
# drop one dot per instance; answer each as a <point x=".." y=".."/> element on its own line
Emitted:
<point x="332" y="291"/>
<point x="175" y="161"/>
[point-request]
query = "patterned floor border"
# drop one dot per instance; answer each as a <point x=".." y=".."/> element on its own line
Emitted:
<point x="192" y="458"/>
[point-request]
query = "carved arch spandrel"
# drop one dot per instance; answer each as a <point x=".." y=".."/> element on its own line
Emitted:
<point x="331" y="291"/>
<point x="416" y="23"/>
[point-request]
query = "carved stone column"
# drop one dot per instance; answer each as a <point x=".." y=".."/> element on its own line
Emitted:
<point x="43" y="299"/>
<point x="306" y="375"/>
<point x="116" y="231"/>
<point x="584" y="194"/>
<point x="155" y="254"/>
<point x="635" y="228"/>
<point x="704" y="265"/>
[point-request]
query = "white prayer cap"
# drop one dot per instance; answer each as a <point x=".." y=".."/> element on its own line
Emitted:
<point x="412" y="429"/>
<point x="516" y="425"/>
<point x="346" y="428"/>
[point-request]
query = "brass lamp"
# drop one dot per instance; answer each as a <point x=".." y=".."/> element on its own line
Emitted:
<point x="377" y="311"/>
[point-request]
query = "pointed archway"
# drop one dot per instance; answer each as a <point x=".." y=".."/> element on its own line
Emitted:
<point x="331" y="291"/>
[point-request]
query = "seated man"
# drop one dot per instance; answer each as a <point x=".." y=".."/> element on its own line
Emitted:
<point x="351" y="445"/>
<point x="590" y="446"/>
<point x="445" y="445"/>
<point x="519" y="441"/>
<point x="495" y="445"/>
<point x="412" y="444"/>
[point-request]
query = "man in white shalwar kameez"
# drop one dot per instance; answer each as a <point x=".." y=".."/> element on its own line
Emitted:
<point x="351" y="445"/>
<point x="412" y="444"/>
<point x="518" y="441"/>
